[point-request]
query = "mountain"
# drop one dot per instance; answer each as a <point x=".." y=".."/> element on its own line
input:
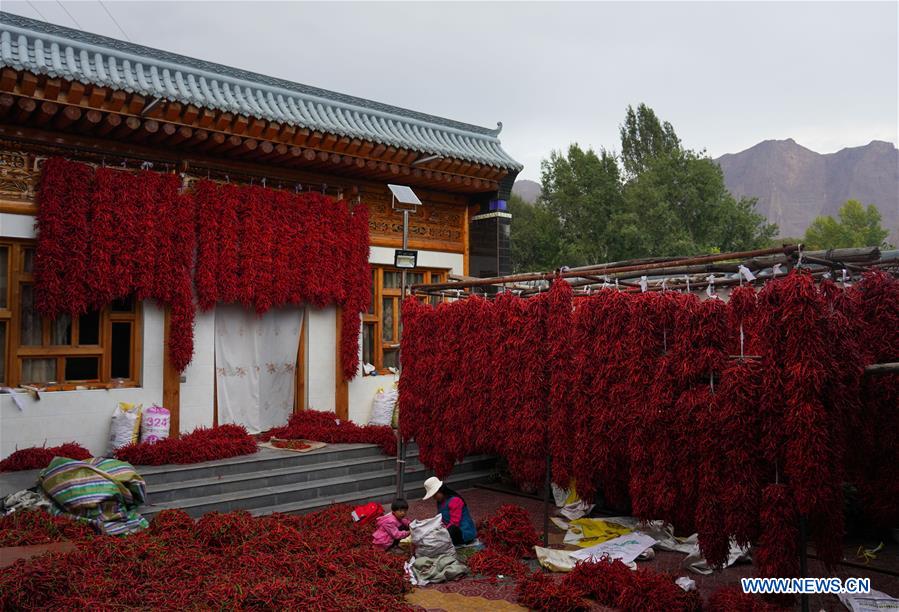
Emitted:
<point x="794" y="184"/>
<point x="527" y="190"/>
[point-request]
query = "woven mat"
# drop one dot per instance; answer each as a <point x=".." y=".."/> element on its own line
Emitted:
<point x="433" y="600"/>
<point x="312" y="446"/>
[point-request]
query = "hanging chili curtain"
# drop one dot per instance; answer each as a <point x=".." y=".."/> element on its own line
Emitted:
<point x="104" y="234"/>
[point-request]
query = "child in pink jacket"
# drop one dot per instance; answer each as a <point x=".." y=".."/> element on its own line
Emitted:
<point x="393" y="527"/>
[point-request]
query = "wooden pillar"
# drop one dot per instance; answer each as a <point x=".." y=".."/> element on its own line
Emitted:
<point x="299" y="396"/>
<point x="465" y="246"/>
<point x="171" y="381"/>
<point x="342" y="391"/>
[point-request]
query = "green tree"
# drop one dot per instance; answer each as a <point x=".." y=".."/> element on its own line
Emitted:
<point x="685" y="208"/>
<point x="658" y="199"/>
<point x="643" y="138"/>
<point x="536" y="236"/>
<point x="582" y="189"/>
<point x="856" y="226"/>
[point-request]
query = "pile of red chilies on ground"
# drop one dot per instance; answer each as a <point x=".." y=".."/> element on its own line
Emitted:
<point x="611" y="584"/>
<point x="509" y="531"/>
<point x="730" y="419"/>
<point x="39" y="457"/>
<point x="492" y="564"/>
<point x="321" y="561"/>
<point x="323" y="426"/>
<point x="35" y="526"/>
<point x="107" y="233"/>
<point x="202" y="444"/>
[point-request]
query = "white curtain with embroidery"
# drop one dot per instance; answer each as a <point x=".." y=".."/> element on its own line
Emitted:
<point x="255" y="365"/>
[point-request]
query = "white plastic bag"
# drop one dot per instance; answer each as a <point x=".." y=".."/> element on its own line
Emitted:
<point x="154" y="424"/>
<point x="382" y="407"/>
<point x="431" y="539"/>
<point x="125" y="425"/>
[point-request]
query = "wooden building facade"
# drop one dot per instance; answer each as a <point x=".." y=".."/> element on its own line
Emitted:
<point x="102" y="101"/>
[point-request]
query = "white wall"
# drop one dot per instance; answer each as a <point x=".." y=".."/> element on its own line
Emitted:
<point x="82" y="416"/>
<point x="198" y="386"/>
<point x="321" y="358"/>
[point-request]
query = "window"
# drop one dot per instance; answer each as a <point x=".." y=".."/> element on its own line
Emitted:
<point x="381" y="326"/>
<point x="95" y="349"/>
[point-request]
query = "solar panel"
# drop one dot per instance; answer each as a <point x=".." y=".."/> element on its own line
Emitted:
<point x="404" y="194"/>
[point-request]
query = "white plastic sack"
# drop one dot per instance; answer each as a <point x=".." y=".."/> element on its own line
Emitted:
<point x="627" y="548"/>
<point x="125" y="425"/>
<point x="431" y="539"/>
<point x="382" y="407"/>
<point x="154" y="424"/>
<point x="875" y="601"/>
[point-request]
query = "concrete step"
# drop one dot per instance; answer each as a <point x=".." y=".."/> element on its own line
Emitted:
<point x="326" y="488"/>
<point x="383" y="495"/>
<point x="263" y="460"/>
<point x="265" y="477"/>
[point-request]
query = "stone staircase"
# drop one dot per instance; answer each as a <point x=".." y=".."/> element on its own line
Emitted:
<point x="284" y="481"/>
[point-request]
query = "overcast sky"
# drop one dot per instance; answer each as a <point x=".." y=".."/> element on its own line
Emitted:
<point x="727" y="75"/>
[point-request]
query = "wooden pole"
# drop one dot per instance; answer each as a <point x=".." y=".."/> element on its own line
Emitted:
<point x="171" y="381"/>
<point x="547" y="488"/>
<point x="515" y="278"/>
<point x="882" y="368"/>
<point x="803" y="559"/>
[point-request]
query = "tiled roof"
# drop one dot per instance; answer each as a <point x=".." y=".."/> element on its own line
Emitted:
<point x="44" y="48"/>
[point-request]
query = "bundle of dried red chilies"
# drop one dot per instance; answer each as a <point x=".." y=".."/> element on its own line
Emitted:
<point x="602" y="580"/>
<point x="540" y="591"/>
<point x="39" y="457"/>
<point x="492" y="563"/>
<point x="509" y="530"/>
<point x="874" y="454"/>
<point x="326" y="427"/>
<point x="520" y="419"/>
<point x="600" y="426"/>
<point x="202" y="444"/>
<point x="35" y="526"/>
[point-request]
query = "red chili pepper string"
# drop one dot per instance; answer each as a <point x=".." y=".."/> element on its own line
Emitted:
<point x="509" y="530"/>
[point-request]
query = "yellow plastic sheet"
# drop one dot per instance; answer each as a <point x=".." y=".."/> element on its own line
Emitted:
<point x="593" y="531"/>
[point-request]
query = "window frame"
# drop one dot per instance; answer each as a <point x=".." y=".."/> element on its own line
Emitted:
<point x="375" y="316"/>
<point x="14" y="352"/>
